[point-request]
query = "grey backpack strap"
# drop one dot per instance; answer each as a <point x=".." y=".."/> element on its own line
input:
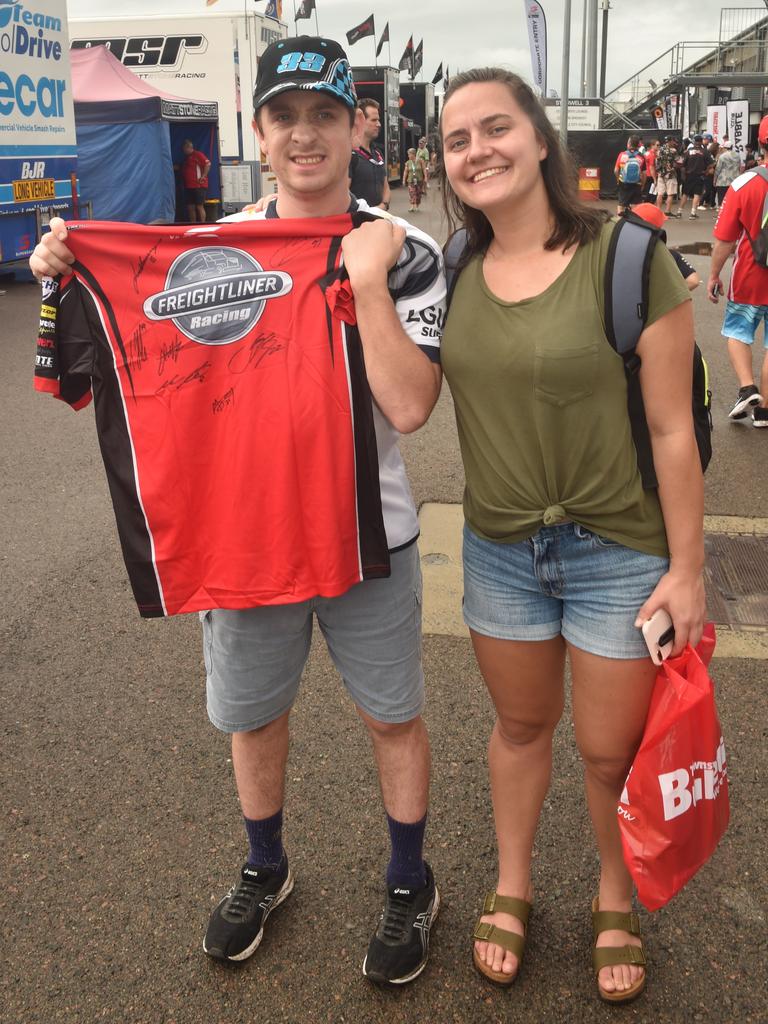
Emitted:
<point x="454" y="250"/>
<point x="627" y="274"/>
<point x="626" y="283"/>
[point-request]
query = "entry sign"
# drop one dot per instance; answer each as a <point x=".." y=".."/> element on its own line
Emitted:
<point x="583" y="114"/>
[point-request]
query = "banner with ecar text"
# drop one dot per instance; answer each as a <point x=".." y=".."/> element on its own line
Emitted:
<point x="537" y="38"/>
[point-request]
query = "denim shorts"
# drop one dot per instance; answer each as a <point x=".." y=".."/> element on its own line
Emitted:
<point x="742" y="321"/>
<point x="254" y="658"/>
<point x="562" y="581"/>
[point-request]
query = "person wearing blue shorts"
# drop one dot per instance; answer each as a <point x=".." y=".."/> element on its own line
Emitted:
<point x="565" y="553"/>
<point x="739" y="223"/>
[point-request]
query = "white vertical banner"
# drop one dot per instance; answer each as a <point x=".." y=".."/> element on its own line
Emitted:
<point x="717" y="121"/>
<point x="537" y="38"/>
<point x="738" y="125"/>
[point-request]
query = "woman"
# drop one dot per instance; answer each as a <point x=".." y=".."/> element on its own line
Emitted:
<point x="413" y="177"/>
<point x="564" y="552"/>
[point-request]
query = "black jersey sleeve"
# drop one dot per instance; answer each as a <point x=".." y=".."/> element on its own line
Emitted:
<point x="64" y="361"/>
<point x="683" y="265"/>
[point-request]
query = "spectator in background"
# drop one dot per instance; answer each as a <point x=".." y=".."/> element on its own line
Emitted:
<point x="739" y="222"/>
<point x="694" y="169"/>
<point x="194" y="175"/>
<point x="630" y="174"/>
<point x="711" y="148"/>
<point x="414" y="176"/>
<point x="368" y="179"/>
<point x="422" y="153"/>
<point x="651" y="154"/>
<point x="653" y="215"/>
<point x="727" y="169"/>
<point x="666" y="174"/>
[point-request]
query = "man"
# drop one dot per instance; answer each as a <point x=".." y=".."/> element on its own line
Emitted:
<point x="666" y="175"/>
<point x="651" y="155"/>
<point x="695" y="165"/>
<point x="422" y="153"/>
<point x="739" y="222"/>
<point x="368" y="168"/>
<point x="194" y="174"/>
<point x="305" y="120"/>
<point x="630" y="174"/>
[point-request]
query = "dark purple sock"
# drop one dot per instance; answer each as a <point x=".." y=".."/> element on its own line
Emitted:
<point x="265" y="837"/>
<point x="406" y="866"/>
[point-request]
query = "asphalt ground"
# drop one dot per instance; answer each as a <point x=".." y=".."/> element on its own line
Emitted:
<point x="121" y="829"/>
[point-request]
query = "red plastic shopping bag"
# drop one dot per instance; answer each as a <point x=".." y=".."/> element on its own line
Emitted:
<point x="674" y="808"/>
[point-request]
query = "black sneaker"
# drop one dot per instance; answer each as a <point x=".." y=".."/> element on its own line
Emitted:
<point x="749" y="397"/>
<point x="398" y="951"/>
<point x="759" y="417"/>
<point x="236" y="926"/>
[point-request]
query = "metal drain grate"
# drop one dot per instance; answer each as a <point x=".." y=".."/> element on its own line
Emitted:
<point x="736" y="578"/>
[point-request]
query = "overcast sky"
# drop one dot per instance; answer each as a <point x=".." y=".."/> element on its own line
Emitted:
<point x="467" y="33"/>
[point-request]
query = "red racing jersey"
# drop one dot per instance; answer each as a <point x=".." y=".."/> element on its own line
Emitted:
<point x="740" y="217"/>
<point x="231" y="405"/>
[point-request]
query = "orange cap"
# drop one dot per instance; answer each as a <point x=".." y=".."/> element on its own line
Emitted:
<point x="651" y="213"/>
<point x="762" y="131"/>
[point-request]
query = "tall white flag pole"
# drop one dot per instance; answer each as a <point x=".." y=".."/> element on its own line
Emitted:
<point x="566" y="73"/>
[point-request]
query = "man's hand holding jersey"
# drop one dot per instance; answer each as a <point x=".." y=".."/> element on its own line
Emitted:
<point x="403" y="381"/>
<point x="51" y="255"/>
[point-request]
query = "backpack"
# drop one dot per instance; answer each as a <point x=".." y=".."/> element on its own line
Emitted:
<point x="631" y="170"/>
<point x="760" y="244"/>
<point x="626" y="282"/>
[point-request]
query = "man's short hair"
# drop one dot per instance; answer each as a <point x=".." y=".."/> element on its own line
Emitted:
<point x="633" y="142"/>
<point x="366" y="102"/>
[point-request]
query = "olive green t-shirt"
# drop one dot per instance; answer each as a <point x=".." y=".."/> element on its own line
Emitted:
<point x="541" y="405"/>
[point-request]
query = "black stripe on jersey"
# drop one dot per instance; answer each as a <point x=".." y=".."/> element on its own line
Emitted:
<point x="117" y="452"/>
<point x="374" y="554"/>
<point x="86" y="275"/>
<point x="333" y="254"/>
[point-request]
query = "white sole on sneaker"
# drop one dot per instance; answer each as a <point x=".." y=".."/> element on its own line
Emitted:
<point x="423" y="964"/>
<point x="283" y="894"/>
<point x="741" y="408"/>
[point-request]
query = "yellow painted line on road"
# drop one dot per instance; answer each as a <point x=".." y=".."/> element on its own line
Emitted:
<point x="440" y="551"/>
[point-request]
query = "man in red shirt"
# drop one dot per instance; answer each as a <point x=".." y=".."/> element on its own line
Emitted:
<point x="194" y="174"/>
<point x="739" y="222"/>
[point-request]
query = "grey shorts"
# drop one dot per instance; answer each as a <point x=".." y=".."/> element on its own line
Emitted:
<point x="254" y="658"/>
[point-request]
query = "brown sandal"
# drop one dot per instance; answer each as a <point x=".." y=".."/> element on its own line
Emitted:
<point x="613" y="956"/>
<point x="511" y="941"/>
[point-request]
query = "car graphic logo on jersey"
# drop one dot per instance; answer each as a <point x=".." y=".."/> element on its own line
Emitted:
<point x="216" y="295"/>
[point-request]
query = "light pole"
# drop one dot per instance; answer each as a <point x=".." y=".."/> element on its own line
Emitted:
<point x="566" y="73"/>
<point x="606" y="6"/>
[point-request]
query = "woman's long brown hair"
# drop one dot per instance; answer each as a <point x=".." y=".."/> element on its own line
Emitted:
<point x="573" y="222"/>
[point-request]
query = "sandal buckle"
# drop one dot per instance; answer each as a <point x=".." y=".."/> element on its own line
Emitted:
<point x="634" y="924"/>
<point x="636" y="956"/>
<point x="489" y="905"/>
<point x="483" y="931"/>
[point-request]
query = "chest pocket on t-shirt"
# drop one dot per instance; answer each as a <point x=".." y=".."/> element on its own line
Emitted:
<point x="562" y="376"/>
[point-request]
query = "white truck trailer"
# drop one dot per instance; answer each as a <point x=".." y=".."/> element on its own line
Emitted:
<point x="210" y="56"/>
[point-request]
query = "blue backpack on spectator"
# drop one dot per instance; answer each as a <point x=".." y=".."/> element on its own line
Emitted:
<point x="632" y="168"/>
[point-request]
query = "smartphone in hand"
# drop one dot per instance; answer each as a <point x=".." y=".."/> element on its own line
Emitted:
<point x="659" y="634"/>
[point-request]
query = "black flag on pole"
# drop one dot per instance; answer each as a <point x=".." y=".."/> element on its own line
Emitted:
<point x="384" y="39"/>
<point x="365" y="28"/>
<point x="305" y="9"/>
<point x="447" y="79"/>
<point x="406" y="61"/>
<point x="438" y="74"/>
<point x="418" y="59"/>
